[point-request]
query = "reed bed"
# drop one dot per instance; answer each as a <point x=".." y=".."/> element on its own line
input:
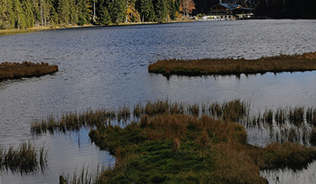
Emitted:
<point x="233" y="110"/>
<point x="24" y="159"/>
<point x="25" y="69"/>
<point x="230" y="66"/>
<point x="85" y="176"/>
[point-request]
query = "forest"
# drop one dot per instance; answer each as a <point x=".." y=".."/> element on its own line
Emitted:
<point x="286" y="9"/>
<point x="22" y="14"/>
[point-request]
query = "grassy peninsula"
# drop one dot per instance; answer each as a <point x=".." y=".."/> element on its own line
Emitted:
<point x="177" y="143"/>
<point x="25" y="69"/>
<point x="230" y="66"/>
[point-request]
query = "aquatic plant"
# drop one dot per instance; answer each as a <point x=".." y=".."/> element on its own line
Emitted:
<point x="123" y="113"/>
<point x="296" y="116"/>
<point x="24" y="159"/>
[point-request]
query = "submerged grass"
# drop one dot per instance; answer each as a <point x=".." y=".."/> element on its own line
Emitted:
<point x="230" y="66"/>
<point x="25" y="69"/>
<point x="24" y="159"/>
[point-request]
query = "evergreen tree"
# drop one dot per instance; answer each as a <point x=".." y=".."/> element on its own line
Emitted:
<point x="63" y="12"/>
<point x="28" y="12"/>
<point x="8" y="16"/>
<point x="117" y="10"/>
<point x="19" y="16"/>
<point x="105" y="17"/>
<point x="83" y="12"/>
<point x="146" y="9"/>
<point x="161" y="11"/>
<point x="1" y="13"/>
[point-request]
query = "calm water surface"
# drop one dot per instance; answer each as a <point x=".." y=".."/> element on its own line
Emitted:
<point x="107" y="68"/>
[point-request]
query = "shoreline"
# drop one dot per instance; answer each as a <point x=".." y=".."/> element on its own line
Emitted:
<point x="4" y="32"/>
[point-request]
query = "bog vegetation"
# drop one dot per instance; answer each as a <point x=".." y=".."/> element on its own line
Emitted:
<point x="25" y="69"/>
<point x="230" y="66"/>
<point x="173" y="142"/>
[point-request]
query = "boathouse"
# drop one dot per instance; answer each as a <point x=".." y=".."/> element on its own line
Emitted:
<point x="230" y="11"/>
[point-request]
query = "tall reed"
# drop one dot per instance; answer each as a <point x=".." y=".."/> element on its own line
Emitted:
<point x="24" y="159"/>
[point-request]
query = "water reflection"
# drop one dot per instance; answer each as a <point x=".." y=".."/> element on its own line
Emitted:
<point x="306" y="176"/>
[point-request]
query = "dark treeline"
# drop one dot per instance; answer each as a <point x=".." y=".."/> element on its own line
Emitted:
<point x="294" y="9"/>
<point x="22" y="14"/>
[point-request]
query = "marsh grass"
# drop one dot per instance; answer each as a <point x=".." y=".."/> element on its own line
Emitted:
<point x="182" y="148"/>
<point x="85" y="176"/>
<point x="234" y="110"/>
<point x="24" y="159"/>
<point x="25" y="69"/>
<point x="230" y="66"/>
<point x="176" y="142"/>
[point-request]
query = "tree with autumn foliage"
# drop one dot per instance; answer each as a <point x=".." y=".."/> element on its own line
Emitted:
<point x="132" y="13"/>
<point x="186" y="7"/>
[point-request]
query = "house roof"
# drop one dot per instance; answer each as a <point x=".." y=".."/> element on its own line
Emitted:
<point x="231" y="6"/>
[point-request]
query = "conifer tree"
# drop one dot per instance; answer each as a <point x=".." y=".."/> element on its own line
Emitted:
<point x="28" y="12"/>
<point x="63" y="12"/>
<point x="161" y="11"/>
<point x="117" y="10"/>
<point x="146" y="10"/>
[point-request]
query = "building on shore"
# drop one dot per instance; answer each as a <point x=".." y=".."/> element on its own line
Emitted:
<point x="230" y="11"/>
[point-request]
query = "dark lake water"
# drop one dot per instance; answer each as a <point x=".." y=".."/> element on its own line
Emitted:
<point x="106" y="67"/>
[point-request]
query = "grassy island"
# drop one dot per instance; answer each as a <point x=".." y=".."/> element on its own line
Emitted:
<point x="230" y="66"/>
<point x="25" y="69"/>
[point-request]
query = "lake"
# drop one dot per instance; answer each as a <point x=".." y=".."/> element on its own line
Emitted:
<point x="106" y="67"/>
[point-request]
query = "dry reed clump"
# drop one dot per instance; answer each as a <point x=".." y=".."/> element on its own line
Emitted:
<point x="311" y="116"/>
<point x="229" y="66"/>
<point x="234" y="110"/>
<point x="292" y="155"/>
<point x="24" y="159"/>
<point x="123" y="113"/>
<point x="312" y="139"/>
<point x="25" y="69"/>
<point x="296" y="116"/>
<point x="281" y="116"/>
<point x="74" y="121"/>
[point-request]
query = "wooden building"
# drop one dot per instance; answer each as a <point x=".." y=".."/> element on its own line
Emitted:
<point x="230" y="11"/>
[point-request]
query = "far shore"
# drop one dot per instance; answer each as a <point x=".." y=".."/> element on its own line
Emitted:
<point x="25" y="69"/>
<point x="230" y="66"/>
<point x="44" y="28"/>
